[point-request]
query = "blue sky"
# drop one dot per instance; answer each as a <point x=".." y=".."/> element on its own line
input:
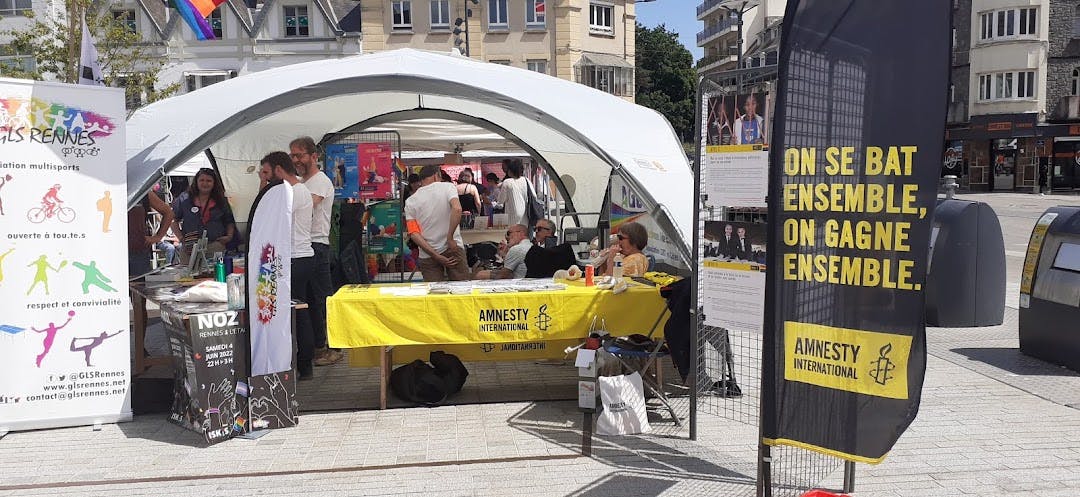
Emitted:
<point x="678" y="15"/>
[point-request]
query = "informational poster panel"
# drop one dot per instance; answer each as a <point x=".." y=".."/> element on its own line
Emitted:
<point x="736" y="150"/>
<point x="627" y="206"/>
<point x="384" y="228"/>
<point x="376" y="165"/>
<point x="343" y="171"/>
<point x="64" y="343"/>
<point x="733" y="272"/>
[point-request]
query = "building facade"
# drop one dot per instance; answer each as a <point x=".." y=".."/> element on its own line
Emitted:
<point x="586" y="41"/>
<point x="1014" y="100"/>
<point x="719" y="38"/>
<point x="251" y="37"/>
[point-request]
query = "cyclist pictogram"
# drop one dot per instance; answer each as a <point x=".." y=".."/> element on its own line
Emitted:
<point x="51" y="206"/>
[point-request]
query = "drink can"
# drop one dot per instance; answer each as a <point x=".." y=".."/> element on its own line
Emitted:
<point x="589" y="273"/>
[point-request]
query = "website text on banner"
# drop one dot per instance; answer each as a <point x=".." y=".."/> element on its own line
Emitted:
<point x="64" y="351"/>
<point x="852" y="188"/>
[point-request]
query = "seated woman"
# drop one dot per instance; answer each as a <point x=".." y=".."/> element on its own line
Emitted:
<point x="204" y="209"/>
<point x="632" y="238"/>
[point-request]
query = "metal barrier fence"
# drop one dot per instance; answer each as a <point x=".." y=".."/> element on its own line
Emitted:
<point x="729" y="361"/>
<point x="387" y="267"/>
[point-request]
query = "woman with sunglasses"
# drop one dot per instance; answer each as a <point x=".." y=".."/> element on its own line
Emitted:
<point x="204" y="209"/>
<point x="632" y="238"/>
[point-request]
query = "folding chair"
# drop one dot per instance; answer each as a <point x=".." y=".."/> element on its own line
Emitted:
<point x="654" y="384"/>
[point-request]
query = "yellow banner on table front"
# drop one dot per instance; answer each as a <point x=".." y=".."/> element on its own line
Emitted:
<point x="469" y="352"/>
<point x="359" y="316"/>
<point x="858" y="361"/>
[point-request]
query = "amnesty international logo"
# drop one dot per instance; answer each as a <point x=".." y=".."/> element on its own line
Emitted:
<point x="487" y="347"/>
<point x="883" y="366"/>
<point x="543" y="319"/>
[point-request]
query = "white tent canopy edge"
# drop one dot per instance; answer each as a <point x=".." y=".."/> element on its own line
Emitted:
<point x="577" y="130"/>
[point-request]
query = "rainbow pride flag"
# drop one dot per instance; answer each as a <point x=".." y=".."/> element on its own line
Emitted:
<point x="192" y="13"/>
<point x="205" y="7"/>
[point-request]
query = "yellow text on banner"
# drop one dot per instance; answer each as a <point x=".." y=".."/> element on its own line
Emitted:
<point x="858" y="361"/>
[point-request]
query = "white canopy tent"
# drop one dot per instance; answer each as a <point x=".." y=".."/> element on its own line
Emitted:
<point x="572" y="130"/>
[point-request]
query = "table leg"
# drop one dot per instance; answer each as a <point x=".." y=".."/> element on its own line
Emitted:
<point x="386" y="363"/>
<point x="138" y="303"/>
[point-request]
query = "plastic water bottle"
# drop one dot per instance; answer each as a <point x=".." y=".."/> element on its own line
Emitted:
<point x="616" y="267"/>
<point x="234" y="286"/>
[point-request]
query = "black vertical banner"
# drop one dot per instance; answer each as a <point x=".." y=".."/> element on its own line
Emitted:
<point x="856" y="155"/>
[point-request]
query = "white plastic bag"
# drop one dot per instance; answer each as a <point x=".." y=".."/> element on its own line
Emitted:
<point x="624" y="406"/>
<point x="207" y="291"/>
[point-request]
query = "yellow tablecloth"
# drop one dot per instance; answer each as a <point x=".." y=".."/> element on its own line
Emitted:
<point x="484" y="326"/>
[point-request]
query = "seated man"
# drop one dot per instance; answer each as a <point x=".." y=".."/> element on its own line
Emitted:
<point x="513" y="254"/>
<point x="545" y="234"/>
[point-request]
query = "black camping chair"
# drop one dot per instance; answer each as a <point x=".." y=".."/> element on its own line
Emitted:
<point x="542" y="262"/>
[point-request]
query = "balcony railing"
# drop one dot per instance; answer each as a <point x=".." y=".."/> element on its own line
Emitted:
<point x="708" y="5"/>
<point x="717" y="29"/>
<point x="716" y="59"/>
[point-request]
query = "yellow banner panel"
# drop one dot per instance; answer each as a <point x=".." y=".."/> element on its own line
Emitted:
<point x="1031" y="260"/>
<point x="359" y="316"/>
<point x="858" y="361"/>
<point x="719" y="149"/>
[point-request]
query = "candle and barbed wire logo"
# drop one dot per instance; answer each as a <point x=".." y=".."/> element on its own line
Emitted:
<point x="883" y="366"/>
<point x="543" y="319"/>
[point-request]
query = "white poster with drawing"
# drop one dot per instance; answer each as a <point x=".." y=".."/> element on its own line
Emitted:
<point x="65" y="353"/>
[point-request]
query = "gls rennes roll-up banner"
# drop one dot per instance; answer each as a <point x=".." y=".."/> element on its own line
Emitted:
<point x="856" y="156"/>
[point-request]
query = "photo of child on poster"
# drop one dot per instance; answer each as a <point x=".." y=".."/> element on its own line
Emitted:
<point x="737" y="120"/>
<point x="735" y="241"/>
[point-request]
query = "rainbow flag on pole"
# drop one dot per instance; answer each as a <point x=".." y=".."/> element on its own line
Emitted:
<point x="194" y="13"/>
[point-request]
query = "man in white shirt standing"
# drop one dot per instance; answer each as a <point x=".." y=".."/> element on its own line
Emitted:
<point x="303" y="258"/>
<point x="513" y="254"/>
<point x="305" y="158"/>
<point x="432" y="216"/>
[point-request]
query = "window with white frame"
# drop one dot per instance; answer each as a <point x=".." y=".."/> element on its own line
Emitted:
<point x="615" y="80"/>
<point x="194" y="81"/>
<point x="440" y="14"/>
<point x="296" y="21"/>
<point x="1008" y="23"/>
<point x="401" y="14"/>
<point x="215" y="23"/>
<point x="535" y="13"/>
<point x="127" y="19"/>
<point x="12" y="59"/>
<point x="537" y="65"/>
<point x="600" y="18"/>
<point x="14" y="7"/>
<point x="1009" y="85"/>
<point x="497" y="14"/>
<point x="1075" y="82"/>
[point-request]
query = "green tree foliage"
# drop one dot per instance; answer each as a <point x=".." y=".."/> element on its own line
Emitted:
<point x="665" y="78"/>
<point x="54" y="43"/>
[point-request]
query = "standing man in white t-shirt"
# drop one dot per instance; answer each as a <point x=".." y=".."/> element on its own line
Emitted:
<point x="303" y="258"/>
<point x="432" y="216"/>
<point x="305" y="158"/>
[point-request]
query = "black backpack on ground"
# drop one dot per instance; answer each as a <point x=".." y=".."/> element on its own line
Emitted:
<point x="417" y="382"/>
<point x="424" y="384"/>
